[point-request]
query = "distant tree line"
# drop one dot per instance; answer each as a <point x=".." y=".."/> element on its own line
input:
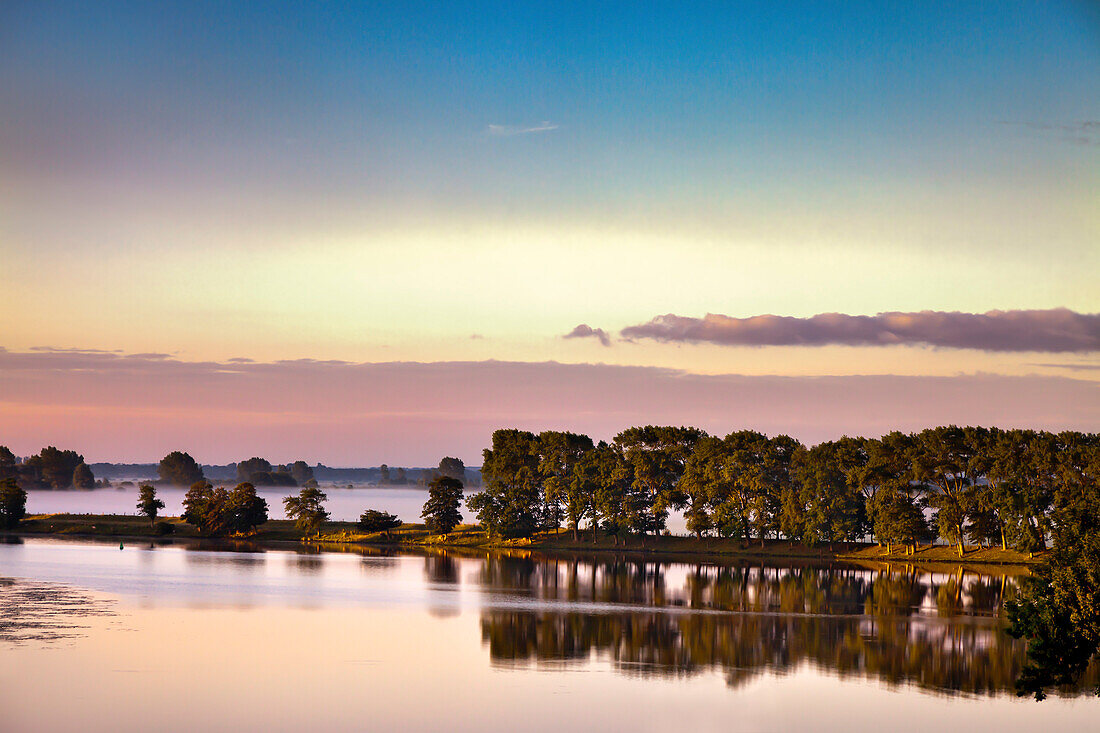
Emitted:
<point x="982" y="485"/>
<point x="52" y="468"/>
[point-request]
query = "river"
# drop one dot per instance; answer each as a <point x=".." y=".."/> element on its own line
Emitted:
<point x="177" y="637"/>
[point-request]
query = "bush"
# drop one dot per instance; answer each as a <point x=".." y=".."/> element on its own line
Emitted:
<point x="375" y="521"/>
<point x="162" y="528"/>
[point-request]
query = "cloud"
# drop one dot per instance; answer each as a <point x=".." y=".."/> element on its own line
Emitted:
<point x="1073" y="367"/>
<point x="410" y="413"/>
<point x="70" y="350"/>
<point x="509" y="130"/>
<point x="1056" y="330"/>
<point x="476" y="337"/>
<point x="1083" y="132"/>
<point x="586" y="331"/>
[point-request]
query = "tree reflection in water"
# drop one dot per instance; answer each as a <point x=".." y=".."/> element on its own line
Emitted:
<point x="942" y="632"/>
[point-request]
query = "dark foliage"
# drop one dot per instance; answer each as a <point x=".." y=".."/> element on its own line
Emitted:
<point x="376" y="521"/>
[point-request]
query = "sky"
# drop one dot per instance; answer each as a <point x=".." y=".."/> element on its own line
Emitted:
<point x="771" y="203"/>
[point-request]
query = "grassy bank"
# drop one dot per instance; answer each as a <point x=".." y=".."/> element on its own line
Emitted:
<point x="346" y="535"/>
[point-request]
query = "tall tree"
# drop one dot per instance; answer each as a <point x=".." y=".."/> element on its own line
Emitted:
<point x="441" y="510"/>
<point x="658" y="455"/>
<point x="559" y="453"/>
<point x="942" y="459"/>
<point x="148" y="503"/>
<point x="510" y="504"/>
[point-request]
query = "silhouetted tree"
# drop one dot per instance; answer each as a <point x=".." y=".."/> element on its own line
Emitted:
<point x="254" y="465"/>
<point x="453" y="468"/>
<point x="179" y="469"/>
<point x="55" y="467"/>
<point x="13" y="504"/>
<point x="82" y="477"/>
<point x="301" y="471"/>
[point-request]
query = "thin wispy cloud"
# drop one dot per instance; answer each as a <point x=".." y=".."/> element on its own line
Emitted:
<point x="1055" y="330"/>
<point x="1082" y="132"/>
<point x="586" y="331"/>
<point x="510" y="130"/>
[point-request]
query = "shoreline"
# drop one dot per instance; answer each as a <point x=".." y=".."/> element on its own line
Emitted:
<point x="345" y="536"/>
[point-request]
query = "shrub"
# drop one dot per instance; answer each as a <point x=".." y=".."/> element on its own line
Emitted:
<point x="375" y="521"/>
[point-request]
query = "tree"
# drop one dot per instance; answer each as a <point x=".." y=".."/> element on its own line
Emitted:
<point x="13" y="504"/>
<point x="245" y="510"/>
<point x="441" y="510"/>
<point x="219" y="512"/>
<point x="559" y="452"/>
<point x="301" y="472"/>
<point x="510" y="505"/>
<point x="942" y="458"/>
<point x="55" y="467"/>
<point x="7" y="463"/>
<point x="453" y="468"/>
<point x="372" y="520"/>
<point x="615" y="500"/>
<point x="383" y="474"/>
<point x="179" y="469"/>
<point x="148" y="503"/>
<point x="245" y="469"/>
<point x="82" y="477"/>
<point x="307" y="509"/>
<point x="1059" y="611"/>
<point x="658" y="455"/>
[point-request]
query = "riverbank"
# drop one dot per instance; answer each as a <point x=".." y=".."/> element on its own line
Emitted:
<point x="345" y="535"/>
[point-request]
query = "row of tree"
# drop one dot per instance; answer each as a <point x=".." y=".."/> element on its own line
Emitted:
<point x="52" y="468"/>
<point x="985" y="485"/>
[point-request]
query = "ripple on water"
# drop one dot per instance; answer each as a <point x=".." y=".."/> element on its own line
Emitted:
<point x="37" y="612"/>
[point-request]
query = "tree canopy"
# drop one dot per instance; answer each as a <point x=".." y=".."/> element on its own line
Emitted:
<point x="307" y="509"/>
<point x="441" y="510"/>
<point x="179" y="469"/>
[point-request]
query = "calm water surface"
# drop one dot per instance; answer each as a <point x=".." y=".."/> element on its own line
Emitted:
<point x="183" y="638"/>
<point x="344" y="504"/>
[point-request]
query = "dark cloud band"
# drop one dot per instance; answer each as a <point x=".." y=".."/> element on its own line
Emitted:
<point x="1055" y="330"/>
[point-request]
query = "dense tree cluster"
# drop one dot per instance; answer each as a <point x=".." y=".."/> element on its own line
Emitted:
<point x="52" y="468"/>
<point x="982" y="485"/>
<point x="220" y="511"/>
<point x="260" y="472"/>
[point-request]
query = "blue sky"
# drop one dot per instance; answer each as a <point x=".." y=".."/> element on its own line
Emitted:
<point x="435" y="182"/>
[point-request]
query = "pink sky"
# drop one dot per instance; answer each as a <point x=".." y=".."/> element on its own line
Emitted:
<point x="137" y="408"/>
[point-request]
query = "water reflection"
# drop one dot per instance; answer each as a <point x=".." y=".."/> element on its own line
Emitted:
<point x="939" y="632"/>
<point x="45" y="612"/>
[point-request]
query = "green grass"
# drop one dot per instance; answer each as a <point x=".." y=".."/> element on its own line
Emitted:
<point x="347" y="534"/>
